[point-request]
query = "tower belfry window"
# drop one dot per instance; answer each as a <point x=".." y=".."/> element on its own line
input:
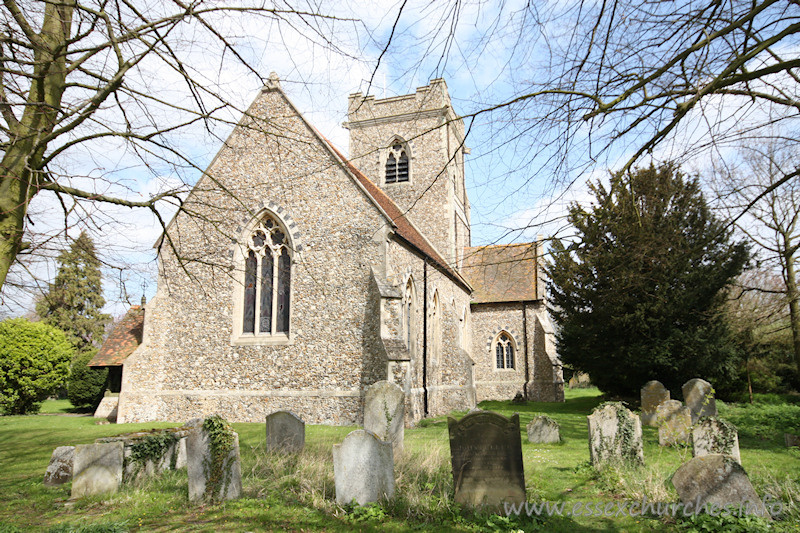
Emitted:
<point x="397" y="164"/>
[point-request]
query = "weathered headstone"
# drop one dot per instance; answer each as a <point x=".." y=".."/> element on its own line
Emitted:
<point x="543" y="429"/>
<point x="715" y="436"/>
<point x="712" y="482"/>
<point x="385" y="412"/>
<point x="653" y="395"/>
<point x="286" y="432"/>
<point x="674" y="423"/>
<point x="363" y="468"/>
<point x="97" y="469"/>
<point x="107" y="408"/>
<point x="486" y="455"/>
<point x="615" y="435"/>
<point x="699" y="397"/>
<point x="59" y="470"/>
<point x="212" y="462"/>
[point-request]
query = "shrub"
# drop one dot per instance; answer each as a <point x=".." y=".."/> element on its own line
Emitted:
<point x="86" y="385"/>
<point x="34" y="362"/>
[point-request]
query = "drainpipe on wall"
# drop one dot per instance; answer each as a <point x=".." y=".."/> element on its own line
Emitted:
<point x="525" y="344"/>
<point x="425" y="336"/>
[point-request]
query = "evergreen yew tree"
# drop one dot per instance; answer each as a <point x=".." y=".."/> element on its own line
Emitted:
<point x="639" y="294"/>
<point x="75" y="300"/>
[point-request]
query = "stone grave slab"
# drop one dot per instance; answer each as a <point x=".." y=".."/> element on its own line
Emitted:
<point x="653" y="394"/>
<point x="213" y="477"/>
<point x="286" y="432"/>
<point x="698" y="395"/>
<point x="715" y="436"/>
<point x="543" y="429"/>
<point x="486" y="456"/>
<point x="385" y="413"/>
<point x="717" y="480"/>
<point x="615" y="435"/>
<point x="363" y="469"/>
<point x="97" y="469"/>
<point x="674" y="423"/>
<point x="59" y="471"/>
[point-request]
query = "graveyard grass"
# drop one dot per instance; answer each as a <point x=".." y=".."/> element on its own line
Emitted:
<point x="296" y="492"/>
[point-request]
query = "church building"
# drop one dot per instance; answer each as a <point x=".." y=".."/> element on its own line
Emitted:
<point x="293" y="278"/>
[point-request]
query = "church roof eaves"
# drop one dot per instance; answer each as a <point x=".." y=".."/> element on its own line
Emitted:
<point x="123" y="340"/>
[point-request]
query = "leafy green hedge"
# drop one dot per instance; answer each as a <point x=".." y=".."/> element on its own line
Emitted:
<point x="86" y="385"/>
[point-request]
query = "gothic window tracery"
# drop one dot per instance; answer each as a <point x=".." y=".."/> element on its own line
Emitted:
<point x="504" y="351"/>
<point x="397" y="166"/>
<point x="267" y="280"/>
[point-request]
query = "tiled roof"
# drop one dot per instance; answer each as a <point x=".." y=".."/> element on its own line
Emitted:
<point x="501" y="273"/>
<point x="123" y="340"/>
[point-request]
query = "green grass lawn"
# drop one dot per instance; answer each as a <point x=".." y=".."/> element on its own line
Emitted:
<point x="296" y="493"/>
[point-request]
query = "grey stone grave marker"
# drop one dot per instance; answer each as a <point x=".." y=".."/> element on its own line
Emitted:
<point x="715" y="436"/>
<point x="59" y="471"/>
<point x="716" y="480"/>
<point x="212" y="478"/>
<point x="674" y="423"/>
<point x="543" y="429"/>
<point x="653" y="395"/>
<point x="699" y="397"/>
<point x="486" y="455"/>
<point x="615" y="435"/>
<point x="363" y="468"/>
<point x="97" y="469"/>
<point x="286" y="432"/>
<point x="385" y="412"/>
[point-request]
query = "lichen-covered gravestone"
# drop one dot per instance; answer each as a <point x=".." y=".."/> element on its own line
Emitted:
<point x="486" y="455"/>
<point x="385" y="411"/>
<point x="97" y="469"/>
<point x="653" y="395"/>
<point x="543" y="429"/>
<point x="715" y="436"/>
<point x="712" y="482"/>
<point x="674" y="423"/>
<point x="615" y="435"/>
<point x="286" y="432"/>
<point x="59" y="471"/>
<point x="363" y="469"/>
<point x="212" y="462"/>
<point x="699" y="397"/>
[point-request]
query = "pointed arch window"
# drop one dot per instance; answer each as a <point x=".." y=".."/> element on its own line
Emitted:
<point x="267" y="280"/>
<point x="504" y="351"/>
<point x="397" y="165"/>
<point x="408" y="314"/>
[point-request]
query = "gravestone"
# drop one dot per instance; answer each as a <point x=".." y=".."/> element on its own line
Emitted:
<point x="363" y="468"/>
<point x="385" y="412"/>
<point x="715" y="436"/>
<point x="213" y="476"/>
<point x="653" y="395"/>
<point x="151" y="452"/>
<point x="97" y="469"/>
<point x="699" y="397"/>
<point x="486" y="455"/>
<point x="286" y="432"/>
<point x="674" y="423"/>
<point x="59" y="470"/>
<point x="791" y="440"/>
<point x="716" y="480"/>
<point x="615" y="435"/>
<point x="543" y="429"/>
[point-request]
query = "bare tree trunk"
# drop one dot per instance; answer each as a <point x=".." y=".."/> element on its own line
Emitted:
<point x="794" y="306"/>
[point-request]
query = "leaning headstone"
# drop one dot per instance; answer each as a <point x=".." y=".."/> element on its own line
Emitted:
<point x="212" y="462"/>
<point x="385" y="412"/>
<point x="674" y="423"/>
<point x="486" y="455"/>
<point x="699" y="397"/>
<point x="286" y="432"/>
<point x="615" y="435"/>
<point x="59" y="471"/>
<point x="715" y="436"/>
<point x="712" y="482"/>
<point x="543" y="429"/>
<point x="97" y="469"/>
<point x="653" y="395"/>
<point x="107" y="408"/>
<point x="363" y="468"/>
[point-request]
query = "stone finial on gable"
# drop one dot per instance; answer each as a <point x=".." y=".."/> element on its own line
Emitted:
<point x="273" y="82"/>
